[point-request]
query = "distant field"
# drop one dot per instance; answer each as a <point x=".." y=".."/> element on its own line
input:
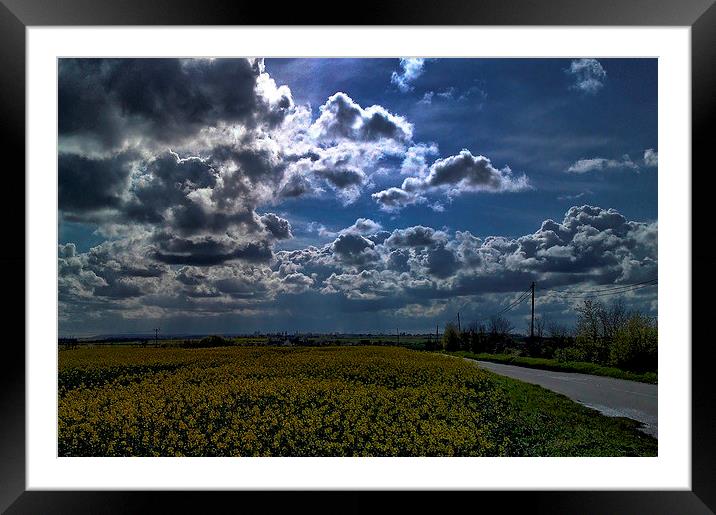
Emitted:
<point x="331" y="401"/>
<point x="410" y="341"/>
<point x="568" y="366"/>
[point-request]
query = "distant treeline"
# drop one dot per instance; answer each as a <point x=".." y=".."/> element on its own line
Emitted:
<point x="607" y="335"/>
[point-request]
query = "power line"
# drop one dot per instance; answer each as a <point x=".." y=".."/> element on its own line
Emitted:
<point x="514" y="304"/>
<point x="567" y="294"/>
<point x="523" y="296"/>
<point x="599" y="290"/>
<point x="587" y="295"/>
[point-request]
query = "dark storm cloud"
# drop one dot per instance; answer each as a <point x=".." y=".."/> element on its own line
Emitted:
<point x="119" y="290"/>
<point x="398" y="260"/>
<point x="441" y="262"/>
<point x="191" y="218"/>
<point x="256" y="164"/>
<point x="353" y="248"/>
<point x="344" y="178"/>
<point x="164" y="183"/>
<point x="109" y="100"/>
<point x="208" y="250"/>
<point x="279" y="227"/>
<point x="350" y="244"/>
<point x="472" y="172"/>
<point x="295" y="186"/>
<point x="212" y="141"/>
<point x="86" y="184"/>
<point x="417" y="236"/>
<point x="191" y="276"/>
<point x="244" y="287"/>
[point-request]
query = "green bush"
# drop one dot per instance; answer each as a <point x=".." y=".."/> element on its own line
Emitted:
<point x="451" y="338"/>
<point x="208" y="341"/>
<point x="634" y="346"/>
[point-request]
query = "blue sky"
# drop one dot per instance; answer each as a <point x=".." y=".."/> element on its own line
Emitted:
<point x="228" y="194"/>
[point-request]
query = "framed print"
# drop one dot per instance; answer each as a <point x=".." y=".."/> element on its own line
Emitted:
<point x="418" y="251"/>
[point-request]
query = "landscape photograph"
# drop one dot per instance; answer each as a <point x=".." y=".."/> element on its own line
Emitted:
<point x="357" y="257"/>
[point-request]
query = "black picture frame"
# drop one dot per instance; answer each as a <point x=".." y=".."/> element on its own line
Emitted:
<point x="17" y="15"/>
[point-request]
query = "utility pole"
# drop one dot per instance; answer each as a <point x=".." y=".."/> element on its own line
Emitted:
<point x="437" y="334"/>
<point x="459" y="329"/>
<point x="532" y="322"/>
<point x="156" y="337"/>
<point x="398" y="335"/>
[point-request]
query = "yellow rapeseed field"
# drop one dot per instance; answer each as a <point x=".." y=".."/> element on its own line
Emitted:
<point x="233" y="401"/>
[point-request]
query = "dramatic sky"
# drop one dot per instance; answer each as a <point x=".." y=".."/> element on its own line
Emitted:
<point x="235" y="195"/>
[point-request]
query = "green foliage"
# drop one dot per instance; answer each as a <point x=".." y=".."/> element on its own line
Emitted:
<point x="563" y="366"/>
<point x="613" y="336"/>
<point x="207" y="342"/>
<point x="635" y="344"/>
<point x="451" y="338"/>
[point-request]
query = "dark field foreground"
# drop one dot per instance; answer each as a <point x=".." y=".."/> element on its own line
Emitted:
<point x="335" y="401"/>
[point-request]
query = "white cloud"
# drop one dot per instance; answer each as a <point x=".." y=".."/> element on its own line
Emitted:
<point x="342" y="118"/>
<point x="411" y="69"/>
<point x="599" y="163"/>
<point x="415" y="160"/>
<point x="651" y="157"/>
<point x="588" y="75"/>
<point x="453" y="176"/>
<point x="427" y="98"/>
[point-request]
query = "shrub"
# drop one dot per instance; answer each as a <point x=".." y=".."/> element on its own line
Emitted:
<point x="451" y="338"/>
<point x="208" y="341"/>
<point x="634" y="346"/>
<point x="478" y="340"/>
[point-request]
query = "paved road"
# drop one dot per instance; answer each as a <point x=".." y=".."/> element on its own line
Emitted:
<point x="612" y="397"/>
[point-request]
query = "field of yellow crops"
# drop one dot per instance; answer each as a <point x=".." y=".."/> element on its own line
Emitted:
<point x="337" y="401"/>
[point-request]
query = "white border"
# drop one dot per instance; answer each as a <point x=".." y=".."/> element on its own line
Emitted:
<point x="671" y="470"/>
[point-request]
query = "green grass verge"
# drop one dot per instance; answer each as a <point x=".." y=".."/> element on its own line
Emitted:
<point x="553" y="425"/>
<point x="567" y="366"/>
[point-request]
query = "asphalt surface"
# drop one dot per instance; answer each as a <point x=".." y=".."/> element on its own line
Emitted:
<point x="612" y="397"/>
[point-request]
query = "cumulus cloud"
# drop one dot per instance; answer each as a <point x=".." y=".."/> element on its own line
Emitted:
<point x="416" y="236"/>
<point x="415" y="160"/>
<point x="188" y="151"/>
<point x="406" y="268"/>
<point x="454" y="176"/>
<point x="341" y="118"/>
<point x="184" y="164"/>
<point x="343" y="178"/>
<point x="411" y="69"/>
<point x="599" y="163"/>
<point x="394" y="199"/>
<point x="90" y="184"/>
<point x="111" y="102"/>
<point x="465" y="172"/>
<point x="364" y="226"/>
<point x="279" y="227"/>
<point x="588" y="75"/>
<point x="651" y="157"/>
<point x="354" y="249"/>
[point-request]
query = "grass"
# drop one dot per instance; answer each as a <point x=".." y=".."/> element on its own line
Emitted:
<point x="328" y="401"/>
<point x="567" y="366"/>
<point x="553" y="425"/>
